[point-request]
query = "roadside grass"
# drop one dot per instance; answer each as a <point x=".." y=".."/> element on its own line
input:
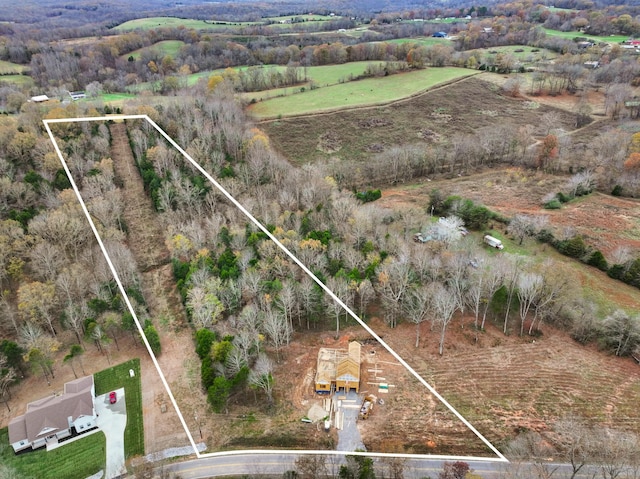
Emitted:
<point x="163" y="48"/>
<point x="173" y="22"/>
<point x="595" y="38"/>
<point x="371" y="91"/>
<point x="115" y="378"/>
<point x="76" y="460"/>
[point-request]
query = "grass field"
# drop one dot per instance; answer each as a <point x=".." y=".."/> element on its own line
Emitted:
<point x="21" y="80"/>
<point x="165" y="47"/>
<point x="370" y="91"/>
<point x="595" y="38"/>
<point x="117" y="377"/>
<point x="524" y="56"/>
<point x="172" y="22"/>
<point x="76" y="460"/>
<point x="7" y="68"/>
<point x="422" y="41"/>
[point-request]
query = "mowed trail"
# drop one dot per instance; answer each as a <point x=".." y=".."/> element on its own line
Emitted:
<point x="146" y="241"/>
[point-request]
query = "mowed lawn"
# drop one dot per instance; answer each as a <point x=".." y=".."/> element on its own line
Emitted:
<point x="118" y="377"/>
<point x="595" y="38"/>
<point x="165" y="47"/>
<point x="76" y="460"/>
<point x="370" y="91"/>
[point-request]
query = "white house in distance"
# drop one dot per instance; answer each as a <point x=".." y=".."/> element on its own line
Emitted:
<point x="50" y="419"/>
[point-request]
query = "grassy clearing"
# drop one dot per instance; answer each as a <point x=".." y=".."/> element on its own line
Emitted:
<point x="7" y="68"/>
<point x="163" y="48"/>
<point x="527" y="55"/>
<point x="370" y="91"/>
<point x="305" y="17"/>
<point x="20" y="80"/>
<point x="115" y="378"/>
<point x="595" y="38"/>
<point x="173" y="22"/>
<point x="77" y="459"/>
<point x="112" y="97"/>
<point x="421" y="41"/>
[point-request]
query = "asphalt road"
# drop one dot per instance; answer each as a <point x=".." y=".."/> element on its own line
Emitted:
<point x="255" y="464"/>
<point x="261" y="464"/>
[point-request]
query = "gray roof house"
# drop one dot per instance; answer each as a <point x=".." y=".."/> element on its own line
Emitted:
<point x="51" y="419"/>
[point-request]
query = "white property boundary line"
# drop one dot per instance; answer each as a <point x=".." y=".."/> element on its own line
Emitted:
<point x="500" y="458"/>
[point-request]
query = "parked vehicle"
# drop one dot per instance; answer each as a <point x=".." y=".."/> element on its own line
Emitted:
<point x="112" y="397"/>
<point x="493" y="242"/>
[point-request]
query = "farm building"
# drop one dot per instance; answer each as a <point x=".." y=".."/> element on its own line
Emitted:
<point x="338" y="369"/>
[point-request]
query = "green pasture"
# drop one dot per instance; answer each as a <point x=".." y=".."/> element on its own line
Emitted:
<point x="528" y="53"/>
<point x="595" y="38"/>
<point x="306" y="17"/>
<point x="173" y="22"/>
<point x="163" y="48"/>
<point x="20" y="80"/>
<point x="7" y="68"/>
<point x="422" y="41"/>
<point x="370" y="91"/>
<point x="118" y="377"/>
<point x="76" y="460"/>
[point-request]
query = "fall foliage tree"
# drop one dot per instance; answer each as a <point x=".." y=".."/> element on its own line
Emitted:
<point x="548" y="152"/>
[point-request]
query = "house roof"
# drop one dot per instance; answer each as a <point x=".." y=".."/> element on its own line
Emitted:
<point x="39" y="98"/>
<point x="51" y="414"/>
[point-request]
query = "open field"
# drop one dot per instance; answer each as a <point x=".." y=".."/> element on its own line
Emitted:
<point x="118" y="377"/>
<point x="21" y="80"/>
<point x="7" y="68"/>
<point x="307" y="17"/>
<point x="595" y="38"/>
<point x="527" y="55"/>
<point x="421" y="41"/>
<point x="463" y="107"/>
<point x="165" y="47"/>
<point x="370" y="91"/>
<point x="173" y="22"/>
<point x="76" y="460"/>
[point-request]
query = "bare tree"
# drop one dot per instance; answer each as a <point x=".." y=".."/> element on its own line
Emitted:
<point x="445" y="304"/>
<point x="416" y="304"/>
<point x="576" y="442"/>
<point x="340" y="288"/>
<point x="529" y="287"/>
<point x="277" y="328"/>
<point x="260" y="376"/>
<point x="394" y="278"/>
<point x="513" y="267"/>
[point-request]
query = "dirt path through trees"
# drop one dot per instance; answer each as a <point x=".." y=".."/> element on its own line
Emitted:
<point x="146" y="241"/>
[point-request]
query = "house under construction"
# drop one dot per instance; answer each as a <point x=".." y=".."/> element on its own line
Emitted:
<point x="338" y="369"/>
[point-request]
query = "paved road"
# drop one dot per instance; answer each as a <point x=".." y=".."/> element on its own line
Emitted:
<point x="276" y="464"/>
<point x="259" y="463"/>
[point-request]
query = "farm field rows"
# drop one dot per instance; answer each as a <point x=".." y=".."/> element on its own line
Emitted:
<point x="370" y="91"/>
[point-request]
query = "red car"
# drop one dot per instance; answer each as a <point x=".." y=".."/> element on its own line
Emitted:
<point x="112" y="397"/>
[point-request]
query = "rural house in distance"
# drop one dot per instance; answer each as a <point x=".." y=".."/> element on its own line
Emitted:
<point x="338" y="369"/>
<point x="51" y="419"/>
